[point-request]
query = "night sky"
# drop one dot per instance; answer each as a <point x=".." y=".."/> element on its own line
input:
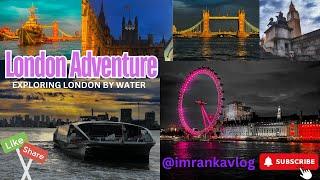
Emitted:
<point x="68" y="13"/>
<point x="193" y="10"/>
<point x="154" y="17"/>
<point x="262" y="85"/>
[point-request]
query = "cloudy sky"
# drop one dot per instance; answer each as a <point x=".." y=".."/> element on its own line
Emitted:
<point x="154" y="17"/>
<point x="262" y="85"/>
<point x="72" y="103"/>
<point x="68" y="13"/>
<point x="188" y="12"/>
<point x="308" y="11"/>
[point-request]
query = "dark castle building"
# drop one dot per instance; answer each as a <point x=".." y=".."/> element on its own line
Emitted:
<point x="130" y="33"/>
<point x="284" y="38"/>
<point x="130" y="38"/>
<point x="96" y="36"/>
<point x="104" y="28"/>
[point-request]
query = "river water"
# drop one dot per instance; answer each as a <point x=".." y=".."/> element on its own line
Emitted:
<point x="225" y="49"/>
<point x="54" y="49"/>
<point x="59" y="166"/>
<point x="232" y="149"/>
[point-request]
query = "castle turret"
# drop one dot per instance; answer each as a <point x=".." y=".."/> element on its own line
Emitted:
<point x="123" y="22"/>
<point x="101" y="17"/>
<point x="294" y="21"/>
<point x="136" y="25"/>
<point x="123" y="28"/>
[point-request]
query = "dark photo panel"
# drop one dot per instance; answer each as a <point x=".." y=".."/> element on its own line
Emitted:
<point x="215" y="30"/>
<point x="274" y="109"/>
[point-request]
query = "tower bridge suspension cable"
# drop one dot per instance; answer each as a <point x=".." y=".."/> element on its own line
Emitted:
<point x="197" y="29"/>
<point x="255" y="29"/>
<point x="191" y="28"/>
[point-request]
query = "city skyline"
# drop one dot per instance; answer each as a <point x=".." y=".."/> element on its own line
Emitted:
<point x="264" y="89"/>
<point x="136" y="118"/>
<point x="42" y="120"/>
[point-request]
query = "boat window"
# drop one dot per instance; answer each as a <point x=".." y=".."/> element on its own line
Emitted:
<point x="71" y="130"/>
<point x="75" y="136"/>
<point x="61" y="133"/>
<point x="102" y="132"/>
<point x="63" y="130"/>
<point x="136" y="134"/>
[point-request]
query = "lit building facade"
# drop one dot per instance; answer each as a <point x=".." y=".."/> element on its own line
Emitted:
<point x="290" y="127"/>
<point x="237" y="111"/>
<point x="310" y="128"/>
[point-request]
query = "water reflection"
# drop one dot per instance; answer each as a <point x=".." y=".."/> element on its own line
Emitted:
<point x="29" y="50"/>
<point x="206" y="49"/>
<point x="310" y="147"/>
<point x="236" y="148"/>
<point x="61" y="166"/>
<point x="241" y="51"/>
<point x="181" y="150"/>
<point x="226" y="48"/>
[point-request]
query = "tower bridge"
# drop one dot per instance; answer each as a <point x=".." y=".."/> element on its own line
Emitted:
<point x="202" y="28"/>
<point x="58" y="34"/>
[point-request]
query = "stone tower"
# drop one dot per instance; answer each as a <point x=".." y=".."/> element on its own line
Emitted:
<point x="241" y="25"/>
<point x="206" y="23"/>
<point x="279" y="113"/>
<point x="294" y="21"/>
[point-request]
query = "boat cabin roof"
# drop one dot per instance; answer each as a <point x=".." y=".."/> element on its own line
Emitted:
<point x="105" y="123"/>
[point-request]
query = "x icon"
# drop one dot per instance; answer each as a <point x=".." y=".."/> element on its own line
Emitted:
<point x="25" y="167"/>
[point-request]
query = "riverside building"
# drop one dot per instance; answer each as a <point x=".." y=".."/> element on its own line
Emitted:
<point x="303" y="127"/>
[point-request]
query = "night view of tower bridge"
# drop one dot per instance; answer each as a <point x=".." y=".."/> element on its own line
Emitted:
<point x="27" y="27"/>
<point x="215" y="31"/>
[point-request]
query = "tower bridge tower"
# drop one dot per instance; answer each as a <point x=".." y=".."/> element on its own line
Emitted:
<point x="55" y="31"/>
<point x="241" y="24"/>
<point x="206" y="23"/>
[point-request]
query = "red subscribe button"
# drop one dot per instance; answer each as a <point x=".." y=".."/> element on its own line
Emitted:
<point x="288" y="161"/>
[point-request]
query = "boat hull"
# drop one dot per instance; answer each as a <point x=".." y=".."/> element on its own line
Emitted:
<point x="115" y="152"/>
<point x="30" y="37"/>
